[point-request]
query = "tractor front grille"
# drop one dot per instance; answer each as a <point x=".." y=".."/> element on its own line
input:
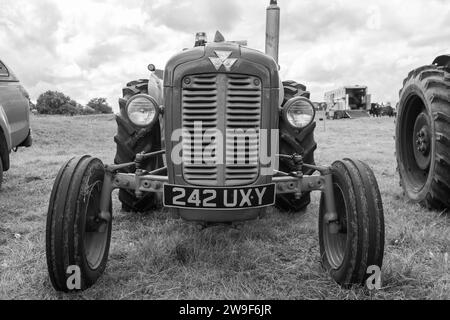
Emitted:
<point x="229" y="104"/>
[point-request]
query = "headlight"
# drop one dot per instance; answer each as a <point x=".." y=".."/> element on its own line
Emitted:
<point x="299" y="112"/>
<point x="142" y="110"/>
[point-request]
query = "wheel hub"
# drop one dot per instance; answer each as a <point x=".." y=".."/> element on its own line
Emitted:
<point x="95" y="224"/>
<point x="422" y="141"/>
<point x="335" y="231"/>
<point x="96" y="230"/>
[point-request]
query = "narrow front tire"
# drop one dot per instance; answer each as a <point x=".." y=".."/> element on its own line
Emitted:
<point x="77" y="238"/>
<point x="355" y="241"/>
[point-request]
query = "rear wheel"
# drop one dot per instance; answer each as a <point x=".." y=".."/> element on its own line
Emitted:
<point x="355" y="241"/>
<point x="75" y="233"/>
<point x="131" y="141"/>
<point x="294" y="141"/>
<point x="423" y="136"/>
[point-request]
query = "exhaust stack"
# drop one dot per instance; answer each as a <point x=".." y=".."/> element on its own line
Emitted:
<point x="273" y="29"/>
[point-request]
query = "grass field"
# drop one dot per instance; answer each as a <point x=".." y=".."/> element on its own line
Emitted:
<point x="154" y="256"/>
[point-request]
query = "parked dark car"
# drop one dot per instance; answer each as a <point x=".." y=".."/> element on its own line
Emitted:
<point x="15" y="129"/>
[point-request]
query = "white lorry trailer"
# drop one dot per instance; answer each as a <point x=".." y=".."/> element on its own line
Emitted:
<point x="348" y="102"/>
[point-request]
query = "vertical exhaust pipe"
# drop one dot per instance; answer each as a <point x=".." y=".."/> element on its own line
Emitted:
<point x="273" y="29"/>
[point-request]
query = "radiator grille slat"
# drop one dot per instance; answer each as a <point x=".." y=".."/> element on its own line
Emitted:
<point x="206" y="99"/>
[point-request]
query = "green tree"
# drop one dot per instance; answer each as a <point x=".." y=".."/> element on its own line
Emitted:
<point x="54" y="102"/>
<point x="70" y="109"/>
<point x="100" y="105"/>
<point x="88" y="110"/>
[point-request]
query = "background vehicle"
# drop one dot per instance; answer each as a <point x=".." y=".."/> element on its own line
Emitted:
<point x="348" y="102"/>
<point x="377" y="110"/>
<point x="233" y="92"/>
<point x="423" y="134"/>
<point x="14" y="117"/>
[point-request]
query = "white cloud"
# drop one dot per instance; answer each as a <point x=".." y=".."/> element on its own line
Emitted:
<point x="90" y="48"/>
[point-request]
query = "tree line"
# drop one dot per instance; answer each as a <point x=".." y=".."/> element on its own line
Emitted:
<point x="54" y="102"/>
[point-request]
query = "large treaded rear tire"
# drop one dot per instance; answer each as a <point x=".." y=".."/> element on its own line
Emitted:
<point x="130" y="141"/>
<point x="299" y="142"/>
<point x="426" y="91"/>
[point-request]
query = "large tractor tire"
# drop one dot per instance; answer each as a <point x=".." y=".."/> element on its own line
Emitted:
<point x="423" y="136"/>
<point x="76" y="235"/>
<point x="355" y="241"/>
<point x="294" y="141"/>
<point x="132" y="140"/>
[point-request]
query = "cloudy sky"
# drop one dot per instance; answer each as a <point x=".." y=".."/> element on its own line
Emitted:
<point x="91" y="48"/>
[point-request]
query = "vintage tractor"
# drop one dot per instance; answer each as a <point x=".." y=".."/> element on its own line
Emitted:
<point x="219" y="140"/>
<point x="423" y="134"/>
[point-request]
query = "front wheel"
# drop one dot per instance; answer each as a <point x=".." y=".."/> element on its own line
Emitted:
<point x="76" y="236"/>
<point x="355" y="241"/>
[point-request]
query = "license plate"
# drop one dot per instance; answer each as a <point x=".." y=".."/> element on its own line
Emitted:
<point x="219" y="198"/>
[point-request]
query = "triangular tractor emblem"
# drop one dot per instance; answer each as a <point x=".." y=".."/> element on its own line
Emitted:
<point x="223" y="59"/>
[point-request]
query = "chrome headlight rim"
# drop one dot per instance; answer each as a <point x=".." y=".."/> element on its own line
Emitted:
<point x="152" y="101"/>
<point x="290" y="103"/>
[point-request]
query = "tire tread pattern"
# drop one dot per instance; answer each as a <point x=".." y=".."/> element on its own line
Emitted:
<point x="434" y="81"/>
<point x="365" y="242"/>
<point x="62" y="234"/>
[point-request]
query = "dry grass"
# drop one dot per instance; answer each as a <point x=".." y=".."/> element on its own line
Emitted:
<point x="156" y="257"/>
